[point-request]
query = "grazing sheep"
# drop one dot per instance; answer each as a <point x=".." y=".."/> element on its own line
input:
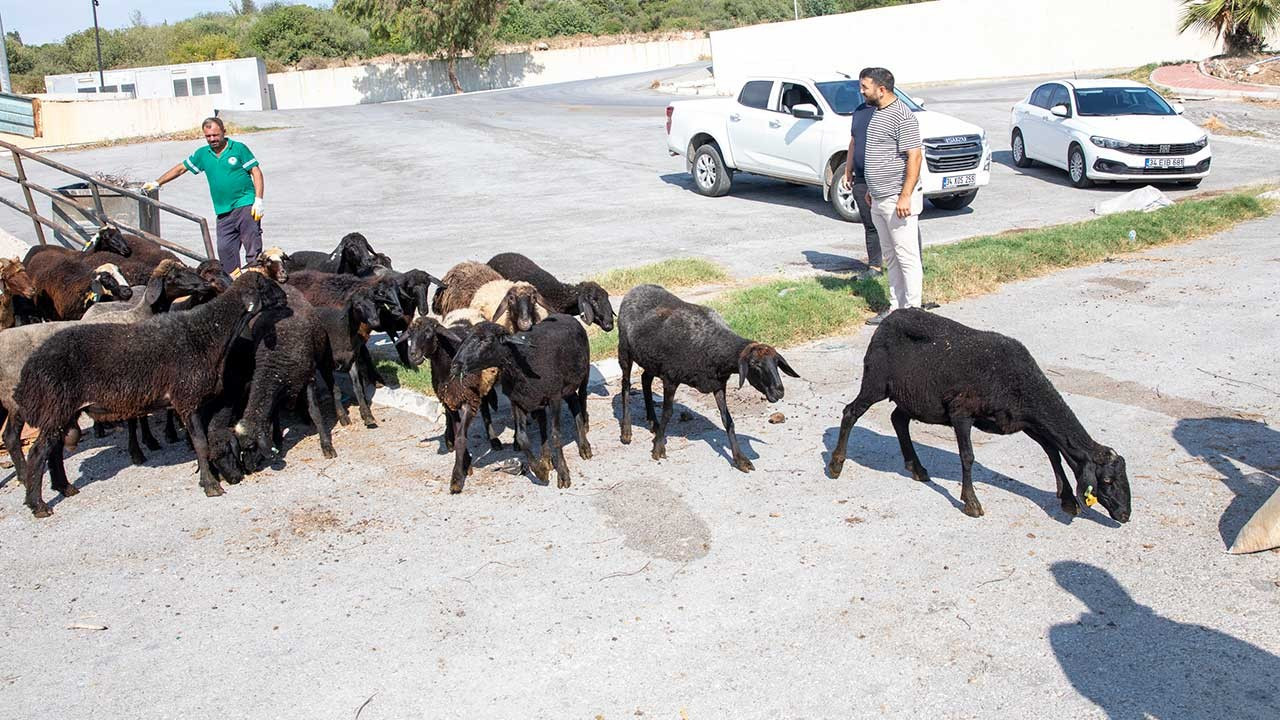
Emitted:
<point x="175" y="359"/>
<point x="938" y="371"/>
<point x="353" y="256"/>
<point x="540" y="369"/>
<point x="513" y="305"/>
<point x="436" y="342"/>
<point x="66" y="287"/>
<point x="460" y="285"/>
<point x="586" y="298"/>
<point x="686" y="344"/>
<point x="14" y="284"/>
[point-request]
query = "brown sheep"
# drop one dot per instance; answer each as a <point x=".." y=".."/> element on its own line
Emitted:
<point x="14" y="282"/>
<point x="460" y="286"/>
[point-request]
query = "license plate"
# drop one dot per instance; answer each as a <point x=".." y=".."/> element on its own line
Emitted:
<point x="1164" y="162"/>
<point x="958" y="181"/>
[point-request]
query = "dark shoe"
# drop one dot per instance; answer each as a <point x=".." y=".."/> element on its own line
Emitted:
<point x="930" y="306"/>
<point x="878" y="318"/>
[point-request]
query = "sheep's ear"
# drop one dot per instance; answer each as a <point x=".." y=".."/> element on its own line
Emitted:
<point x="96" y="290"/>
<point x="503" y="307"/>
<point x="588" y="314"/>
<point x="784" y="367"/>
<point x="155" y="286"/>
<point x="742" y="370"/>
<point x="543" y="302"/>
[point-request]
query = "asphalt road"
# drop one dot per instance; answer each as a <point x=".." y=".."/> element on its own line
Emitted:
<point x="577" y="176"/>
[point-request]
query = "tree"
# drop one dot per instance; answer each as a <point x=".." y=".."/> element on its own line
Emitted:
<point x="448" y="29"/>
<point x="289" y="33"/>
<point x="1242" y="25"/>
<point x="244" y="7"/>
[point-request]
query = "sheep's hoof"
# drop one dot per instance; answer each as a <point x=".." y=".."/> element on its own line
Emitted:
<point x="344" y="419"/>
<point x="137" y="458"/>
<point x="371" y="424"/>
<point x="214" y="490"/>
<point x="541" y="470"/>
<point x="328" y="451"/>
<point x="743" y="464"/>
<point x="973" y="508"/>
<point x="69" y="490"/>
<point x="42" y="511"/>
<point x="921" y="475"/>
<point x="835" y="467"/>
<point x="562" y="481"/>
<point x="455" y="486"/>
<point x="626" y="436"/>
<point x="1070" y="507"/>
<point x="659" y="452"/>
<point x="584" y="450"/>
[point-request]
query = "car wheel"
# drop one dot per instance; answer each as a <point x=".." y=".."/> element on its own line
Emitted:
<point x="710" y="176"/>
<point x="842" y="200"/>
<point x="954" y="202"/>
<point x="1190" y="183"/>
<point x="1019" y="150"/>
<point x="1076" y="168"/>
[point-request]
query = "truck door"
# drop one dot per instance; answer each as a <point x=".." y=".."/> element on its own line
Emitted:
<point x="748" y="125"/>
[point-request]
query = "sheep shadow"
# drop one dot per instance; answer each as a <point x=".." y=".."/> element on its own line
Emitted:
<point x="758" y="188"/>
<point x="881" y="453"/>
<point x="685" y="423"/>
<point x="1132" y="662"/>
<point x="1224" y="443"/>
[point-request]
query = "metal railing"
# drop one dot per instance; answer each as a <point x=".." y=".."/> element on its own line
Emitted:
<point x="95" y="185"/>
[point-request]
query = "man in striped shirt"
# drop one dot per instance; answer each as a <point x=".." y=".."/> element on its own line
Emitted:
<point x="890" y="149"/>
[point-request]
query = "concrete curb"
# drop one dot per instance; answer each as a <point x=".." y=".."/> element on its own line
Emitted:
<point x="1264" y="92"/>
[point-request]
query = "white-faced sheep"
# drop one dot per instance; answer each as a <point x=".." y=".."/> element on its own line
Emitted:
<point x="685" y="344"/>
<point x="941" y="372"/>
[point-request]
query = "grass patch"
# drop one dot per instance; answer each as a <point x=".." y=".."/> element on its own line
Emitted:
<point x="197" y="133"/>
<point x="418" y="380"/>
<point x="673" y="273"/>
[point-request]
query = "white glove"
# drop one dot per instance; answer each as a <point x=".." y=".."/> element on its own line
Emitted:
<point x="257" y="209"/>
<point x="150" y="186"/>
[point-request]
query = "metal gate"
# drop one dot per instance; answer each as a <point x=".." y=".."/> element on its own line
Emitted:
<point x="95" y="186"/>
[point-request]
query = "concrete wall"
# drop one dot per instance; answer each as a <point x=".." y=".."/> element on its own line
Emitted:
<point x="62" y="122"/>
<point x="962" y="39"/>
<point x="385" y="82"/>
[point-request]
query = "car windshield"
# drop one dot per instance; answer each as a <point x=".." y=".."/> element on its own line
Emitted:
<point x="1120" y="101"/>
<point x="844" y="96"/>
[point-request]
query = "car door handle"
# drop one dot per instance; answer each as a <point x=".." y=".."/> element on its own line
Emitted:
<point x="735" y="117"/>
<point x="775" y="124"/>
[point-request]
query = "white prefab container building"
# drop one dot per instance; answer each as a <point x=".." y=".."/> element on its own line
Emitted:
<point x="232" y="84"/>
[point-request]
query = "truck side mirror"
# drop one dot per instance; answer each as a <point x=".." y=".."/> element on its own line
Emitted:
<point x="806" y="111"/>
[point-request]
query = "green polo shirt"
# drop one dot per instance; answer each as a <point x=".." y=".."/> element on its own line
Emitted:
<point x="230" y="184"/>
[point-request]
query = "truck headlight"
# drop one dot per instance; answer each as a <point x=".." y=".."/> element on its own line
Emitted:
<point x="1202" y="142"/>
<point x="1108" y="143"/>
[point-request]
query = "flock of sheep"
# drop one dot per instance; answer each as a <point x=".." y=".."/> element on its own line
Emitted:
<point x="122" y="329"/>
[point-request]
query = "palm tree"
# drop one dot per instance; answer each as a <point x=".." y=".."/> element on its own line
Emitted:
<point x="1242" y="25"/>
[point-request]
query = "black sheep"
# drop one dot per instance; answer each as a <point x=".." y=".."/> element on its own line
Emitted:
<point x="143" y="257"/>
<point x="347" y="328"/>
<point x="413" y="287"/>
<point x="333" y="291"/>
<point x="541" y="368"/>
<point x="938" y="371"/>
<point x="686" y="344"/>
<point x="586" y="298"/>
<point x="175" y="359"/>
<point x="353" y="256"/>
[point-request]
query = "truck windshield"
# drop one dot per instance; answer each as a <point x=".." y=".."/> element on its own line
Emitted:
<point x="844" y="96"/>
<point x="1120" y="101"/>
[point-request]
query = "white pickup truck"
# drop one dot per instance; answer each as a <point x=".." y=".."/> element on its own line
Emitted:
<point x="797" y="129"/>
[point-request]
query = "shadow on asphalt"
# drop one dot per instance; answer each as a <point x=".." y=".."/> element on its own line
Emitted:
<point x="685" y="422"/>
<point x="1133" y="663"/>
<point x="1227" y="445"/>
<point x="871" y="450"/>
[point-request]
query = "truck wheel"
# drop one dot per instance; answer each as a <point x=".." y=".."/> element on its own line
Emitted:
<point x="842" y="200"/>
<point x="710" y="176"/>
<point x="954" y="202"/>
<point x="1018" y="149"/>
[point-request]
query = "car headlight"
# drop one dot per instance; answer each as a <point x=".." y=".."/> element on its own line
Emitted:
<point x="1202" y="142"/>
<point x="1108" y="143"/>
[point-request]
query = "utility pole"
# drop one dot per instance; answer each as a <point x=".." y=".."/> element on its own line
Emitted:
<point x="5" y="85"/>
<point x="795" y="4"/>
<point x="102" y="81"/>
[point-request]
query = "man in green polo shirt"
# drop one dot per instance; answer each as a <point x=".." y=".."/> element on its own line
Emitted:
<point x="235" y="184"/>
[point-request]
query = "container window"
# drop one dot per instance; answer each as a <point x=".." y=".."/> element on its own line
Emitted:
<point x="87" y="90"/>
<point x="129" y="88"/>
<point x="180" y="88"/>
<point x="110" y="89"/>
<point x="215" y="85"/>
<point x="197" y="86"/>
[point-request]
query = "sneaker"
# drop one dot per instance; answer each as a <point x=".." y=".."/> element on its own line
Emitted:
<point x="876" y="320"/>
<point x="870" y="273"/>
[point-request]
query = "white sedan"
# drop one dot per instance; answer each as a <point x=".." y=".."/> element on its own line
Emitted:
<point x="1108" y="130"/>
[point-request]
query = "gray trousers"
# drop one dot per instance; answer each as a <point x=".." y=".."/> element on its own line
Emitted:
<point x="870" y="235"/>
<point x="238" y="229"/>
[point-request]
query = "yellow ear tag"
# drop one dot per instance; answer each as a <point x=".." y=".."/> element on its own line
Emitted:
<point x="1089" y="498"/>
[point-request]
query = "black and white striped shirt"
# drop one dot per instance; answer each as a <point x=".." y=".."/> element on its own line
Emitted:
<point x="893" y="131"/>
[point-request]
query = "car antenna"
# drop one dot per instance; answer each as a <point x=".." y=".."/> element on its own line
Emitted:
<point x="844" y="74"/>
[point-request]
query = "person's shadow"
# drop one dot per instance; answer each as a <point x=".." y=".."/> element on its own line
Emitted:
<point x="1223" y="442"/>
<point x="1133" y="663"/>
